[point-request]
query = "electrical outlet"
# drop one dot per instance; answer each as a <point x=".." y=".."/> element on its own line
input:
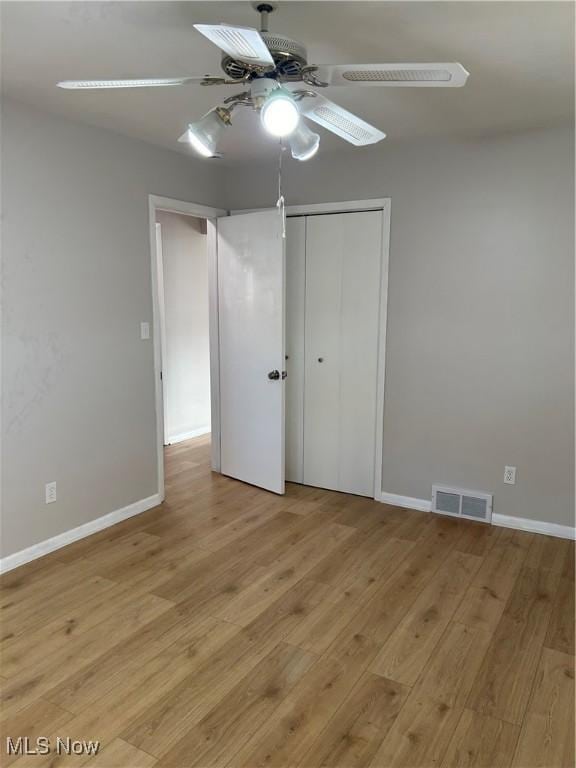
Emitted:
<point x="51" y="492"/>
<point x="510" y="475"/>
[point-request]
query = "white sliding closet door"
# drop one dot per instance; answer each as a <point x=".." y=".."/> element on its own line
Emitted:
<point x="343" y="262"/>
<point x="295" y="309"/>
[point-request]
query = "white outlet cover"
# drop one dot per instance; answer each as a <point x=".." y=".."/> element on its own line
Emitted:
<point x="144" y="331"/>
<point x="50" y="491"/>
<point x="510" y="475"/>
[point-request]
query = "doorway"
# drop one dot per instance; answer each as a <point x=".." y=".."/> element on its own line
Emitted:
<point x="250" y="324"/>
<point x="302" y="319"/>
<point x="185" y="326"/>
<point x="181" y="242"/>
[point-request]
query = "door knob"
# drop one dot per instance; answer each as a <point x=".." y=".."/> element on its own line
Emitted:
<point x="274" y="375"/>
<point x="320" y="359"/>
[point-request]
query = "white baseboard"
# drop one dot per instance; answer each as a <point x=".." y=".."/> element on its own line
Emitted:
<point x="534" y="526"/>
<point x="188" y="435"/>
<point x="505" y="521"/>
<point x="405" y="501"/>
<point x="68" y="537"/>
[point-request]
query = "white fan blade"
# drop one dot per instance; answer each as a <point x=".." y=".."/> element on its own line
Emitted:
<point x="243" y="43"/>
<point x="341" y="122"/>
<point x="452" y="75"/>
<point x="142" y="82"/>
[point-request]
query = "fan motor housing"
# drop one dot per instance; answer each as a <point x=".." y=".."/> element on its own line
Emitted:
<point x="289" y="57"/>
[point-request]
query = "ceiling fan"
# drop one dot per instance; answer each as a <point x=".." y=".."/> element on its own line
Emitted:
<point x="278" y="83"/>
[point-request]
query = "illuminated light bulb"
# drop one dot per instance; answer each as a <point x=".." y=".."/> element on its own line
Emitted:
<point x="279" y="113"/>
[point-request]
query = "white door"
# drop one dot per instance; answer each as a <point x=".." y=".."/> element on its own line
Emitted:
<point x="251" y="333"/>
<point x="343" y="265"/>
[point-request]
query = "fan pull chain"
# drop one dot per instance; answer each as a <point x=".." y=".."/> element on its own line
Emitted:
<point x="280" y="202"/>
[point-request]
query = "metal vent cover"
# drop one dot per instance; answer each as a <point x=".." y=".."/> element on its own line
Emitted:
<point x="457" y="502"/>
<point x="448" y="502"/>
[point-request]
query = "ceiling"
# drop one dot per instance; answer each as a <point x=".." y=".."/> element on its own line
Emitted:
<point x="520" y="56"/>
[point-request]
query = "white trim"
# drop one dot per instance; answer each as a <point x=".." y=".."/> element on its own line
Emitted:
<point x="534" y="526"/>
<point x="172" y="439"/>
<point x="214" y="336"/>
<point x="158" y="203"/>
<point x="189" y="209"/>
<point x="408" y="502"/>
<point x="162" y="319"/>
<point x="345" y="206"/>
<point x="503" y="521"/>
<point x="81" y="532"/>
<point x="381" y="362"/>
<point x="157" y="347"/>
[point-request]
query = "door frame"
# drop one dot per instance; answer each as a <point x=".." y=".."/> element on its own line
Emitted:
<point x="159" y="203"/>
<point x="350" y="206"/>
<point x="161" y="319"/>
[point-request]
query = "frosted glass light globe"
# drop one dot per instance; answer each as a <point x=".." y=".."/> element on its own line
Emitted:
<point x="204" y="135"/>
<point x="304" y="143"/>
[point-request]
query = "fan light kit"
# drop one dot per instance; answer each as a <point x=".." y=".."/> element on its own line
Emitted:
<point x="272" y="67"/>
<point x="204" y="135"/>
<point x="279" y="114"/>
<point x="304" y="143"/>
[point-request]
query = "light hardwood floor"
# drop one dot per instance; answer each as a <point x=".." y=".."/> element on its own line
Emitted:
<point x="231" y="627"/>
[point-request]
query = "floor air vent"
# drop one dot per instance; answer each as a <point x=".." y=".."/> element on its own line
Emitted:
<point x="473" y="505"/>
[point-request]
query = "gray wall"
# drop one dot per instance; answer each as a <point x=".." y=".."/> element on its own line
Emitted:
<point x="480" y="330"/>
<point x="186" y="360"/>
<point x="78" y="383"/>
<point x="480" y="349"/>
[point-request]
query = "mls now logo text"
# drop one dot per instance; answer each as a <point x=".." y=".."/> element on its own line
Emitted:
<point x="43" y="746"/>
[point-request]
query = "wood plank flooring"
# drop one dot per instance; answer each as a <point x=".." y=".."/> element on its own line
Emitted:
<point x="233" y="628"/>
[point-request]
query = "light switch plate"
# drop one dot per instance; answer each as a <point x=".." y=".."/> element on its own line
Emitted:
<point x="144" y="331"/>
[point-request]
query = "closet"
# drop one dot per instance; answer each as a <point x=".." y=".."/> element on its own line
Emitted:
<point x="333" y="285"/>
